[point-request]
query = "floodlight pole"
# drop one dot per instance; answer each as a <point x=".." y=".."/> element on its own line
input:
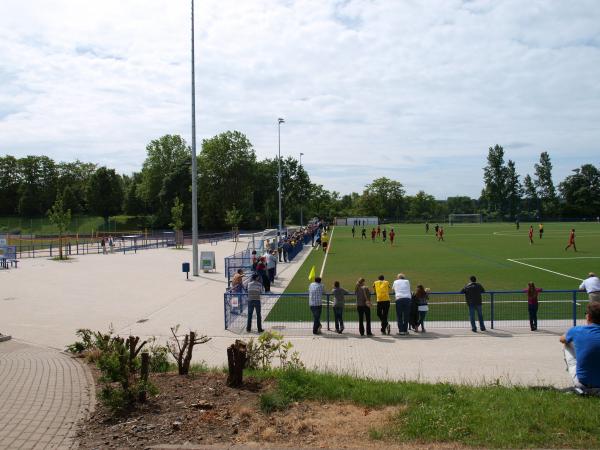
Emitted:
<point x="279" y="122"/>
<point x="194" y="163"/>
<point x="301" y="199"/>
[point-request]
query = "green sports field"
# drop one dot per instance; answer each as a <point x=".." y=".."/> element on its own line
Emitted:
<point x="498" y="254"/>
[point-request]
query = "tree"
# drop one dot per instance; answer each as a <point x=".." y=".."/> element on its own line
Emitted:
<point x="61" y="219"/>
<point x="233" y="217"/>
<point x="164" y="156"/>
<point x="461" y="205"/>
<point x="105" y="193"/>
<point x="227" y="165"/>
<point x="422" y="206"/>
<point x="383" y="198"/>
<point x="531" y="197"/>
<point x="494" y="178"/>
<point x="177" y="221"/>
<point x="74" y="177"/>
<point x="37" y="189"/>
<point x="132" y="202"/>
<point x="9" y="185"/>
<point x="544" y="185"/>
<point x="581" y="192"/>
<point x="514" y="190"/>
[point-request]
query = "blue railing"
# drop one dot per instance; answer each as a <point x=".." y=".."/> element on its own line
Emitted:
<point x="504" y="309"/>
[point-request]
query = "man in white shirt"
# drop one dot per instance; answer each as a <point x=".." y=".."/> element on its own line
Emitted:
<point x="592" y="286"/>
<point x="403" y="296"/>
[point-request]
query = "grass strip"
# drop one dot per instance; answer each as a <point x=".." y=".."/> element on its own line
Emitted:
<point x="488" y="416"/>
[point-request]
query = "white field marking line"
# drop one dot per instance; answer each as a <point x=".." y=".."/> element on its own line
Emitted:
<point x="327" y="252"/>
<point x="566" y="257"/>
<point x="516" y="233"/>
<point x="545" y="270"/>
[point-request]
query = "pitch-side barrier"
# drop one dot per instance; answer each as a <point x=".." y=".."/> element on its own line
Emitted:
<point x="501" y="309"/>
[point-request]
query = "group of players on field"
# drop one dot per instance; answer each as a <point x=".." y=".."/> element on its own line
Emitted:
<point x="439" y="234"/>
<point x="541" y="233"/>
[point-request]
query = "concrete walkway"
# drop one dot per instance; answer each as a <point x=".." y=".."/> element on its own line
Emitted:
<point x="43" y="394"/>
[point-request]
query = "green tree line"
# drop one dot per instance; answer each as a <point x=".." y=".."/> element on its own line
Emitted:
<point x="233" y="182"/>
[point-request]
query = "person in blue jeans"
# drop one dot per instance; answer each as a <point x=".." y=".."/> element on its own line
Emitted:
<point x="315" y="301"/>
<point x="403" y="296"/>
<point x="473" y="291"/>
<point x="339" y="303"/>
<point x="255" y="289"/>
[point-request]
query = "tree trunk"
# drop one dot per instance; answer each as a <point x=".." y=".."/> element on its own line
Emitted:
<point x="236" y="359"/>
<point x="144" y="375"/>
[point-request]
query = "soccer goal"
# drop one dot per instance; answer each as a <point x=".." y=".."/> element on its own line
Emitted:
<point x="455" y="219"/>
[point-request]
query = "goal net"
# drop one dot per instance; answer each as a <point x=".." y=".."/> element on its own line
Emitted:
<point x="454" y="219"/>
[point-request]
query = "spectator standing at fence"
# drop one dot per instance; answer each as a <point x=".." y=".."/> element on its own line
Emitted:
<point x="255" y="289"/>
<point x="237" y="282"/>
<point x="403" y="302"/>
<point x="272" y="266"/>
<point x="532" y="303"/>
<point x="111" y="244"/>
<point x="473" y="291"/>
<point x="592" y="286"/>
<point x="280" y="249"/>
<point x="339" y="303"/>
<point x="582" y="351"/>
<point x="363" y="306"/>
<point x="382" y="294"/>
<point x="261" y="270"/>
<point x="254" y="259"/>
<point x="103" y="245"/>
<point x="315" y="301"/>
<point x="286" y="250"/>
<point x="421" y="299"/>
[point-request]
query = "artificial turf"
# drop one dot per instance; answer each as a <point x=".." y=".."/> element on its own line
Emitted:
<point x="484" y="250"/>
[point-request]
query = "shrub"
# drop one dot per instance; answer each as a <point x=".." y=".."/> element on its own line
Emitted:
<point x="270" y="345"/>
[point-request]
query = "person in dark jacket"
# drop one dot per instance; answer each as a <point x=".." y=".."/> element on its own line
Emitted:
<point x="473" y="292"/>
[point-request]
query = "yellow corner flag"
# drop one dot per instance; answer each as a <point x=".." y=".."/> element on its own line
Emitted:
<point x="311" y="274"/>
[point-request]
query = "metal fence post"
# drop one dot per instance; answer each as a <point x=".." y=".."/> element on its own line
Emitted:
<point x="225" y="308"/>
<point x="492" y="310"/>
<point x="328" y="327"/>
<point x="574" y="308"/>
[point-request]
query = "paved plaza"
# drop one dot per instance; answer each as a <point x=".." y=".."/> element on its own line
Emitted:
<point x="43" y="393"/>
<point x="42" y="303"/>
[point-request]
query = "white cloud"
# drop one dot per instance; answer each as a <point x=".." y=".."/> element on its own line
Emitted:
<point x="416" y="91"/>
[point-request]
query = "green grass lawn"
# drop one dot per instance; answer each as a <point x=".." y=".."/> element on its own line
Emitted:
<point x="495" y="253"/>
<point x="485" y="417"/>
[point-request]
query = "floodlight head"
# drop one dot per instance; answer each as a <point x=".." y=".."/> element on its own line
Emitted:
<point x="280" y="120"/>
<point x="301" y="154"/>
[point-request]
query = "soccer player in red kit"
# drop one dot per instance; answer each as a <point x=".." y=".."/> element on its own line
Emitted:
<point x="373" y="232"/>
<point x="530" y="234"/>
<point x="392" y="236"/>
<point x="571" y="240"/>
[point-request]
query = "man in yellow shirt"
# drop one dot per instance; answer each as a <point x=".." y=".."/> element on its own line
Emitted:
<point x="382" y="292"/>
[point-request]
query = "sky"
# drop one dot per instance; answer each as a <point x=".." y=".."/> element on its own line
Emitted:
<point x="413" y="90"/>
